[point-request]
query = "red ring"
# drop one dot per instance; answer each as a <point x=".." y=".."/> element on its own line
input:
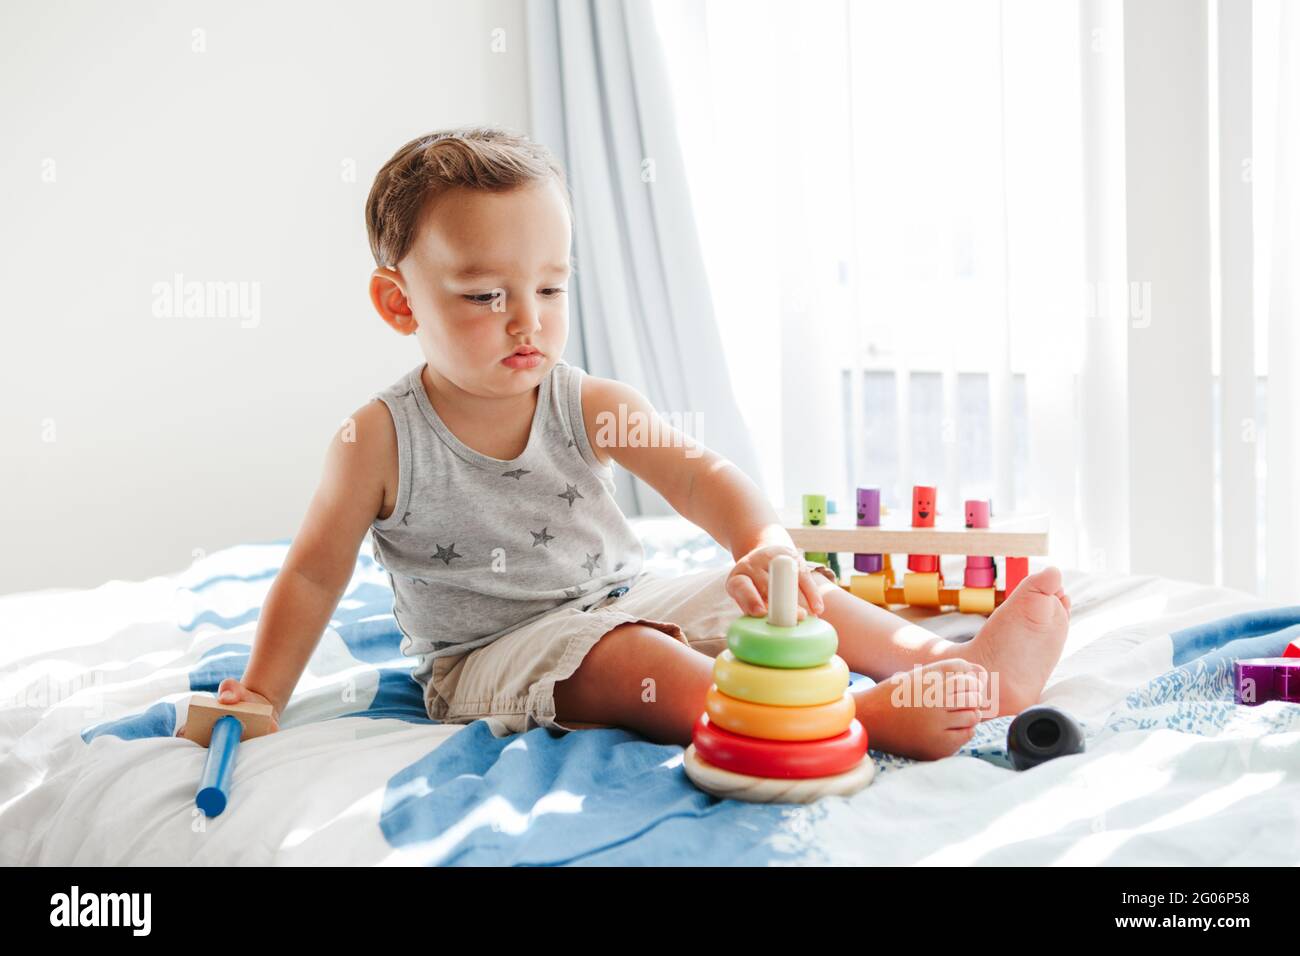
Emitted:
<point x="780" y="758"/>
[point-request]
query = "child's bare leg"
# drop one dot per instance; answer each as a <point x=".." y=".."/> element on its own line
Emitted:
<point x="874" y="641"/>
<point x="609" y="687"/>
<point x="1019" y="645"/>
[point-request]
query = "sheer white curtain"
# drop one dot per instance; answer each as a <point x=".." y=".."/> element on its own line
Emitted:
<point x="1040" y="251"/>
<point x="890" y="199"/>
<point x="1276" y="175"/>
<point x="641" y="303"/>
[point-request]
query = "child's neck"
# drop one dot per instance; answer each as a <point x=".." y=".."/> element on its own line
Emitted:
<point x="496" y="427"/>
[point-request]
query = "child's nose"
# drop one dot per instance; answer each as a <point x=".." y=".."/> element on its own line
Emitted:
<point x="524" y="318"/>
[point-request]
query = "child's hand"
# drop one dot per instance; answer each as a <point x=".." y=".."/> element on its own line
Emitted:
<point x="232" y="691"/>
<point x="748" y="582"/>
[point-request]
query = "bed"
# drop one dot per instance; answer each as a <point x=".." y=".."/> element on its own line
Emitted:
<point x="93" y="683"/>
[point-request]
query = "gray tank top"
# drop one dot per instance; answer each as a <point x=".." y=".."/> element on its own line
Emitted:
<point x="477" y="546"/>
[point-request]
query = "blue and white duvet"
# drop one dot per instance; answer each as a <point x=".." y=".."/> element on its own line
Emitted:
<point x="90" y="772"/>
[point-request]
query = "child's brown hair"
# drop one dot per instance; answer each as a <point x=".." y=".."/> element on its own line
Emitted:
<point x="483" y="158"/>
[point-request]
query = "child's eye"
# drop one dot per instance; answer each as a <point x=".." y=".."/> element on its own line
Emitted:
<point x="552" y="293"/>
<point x="482" y="298"/>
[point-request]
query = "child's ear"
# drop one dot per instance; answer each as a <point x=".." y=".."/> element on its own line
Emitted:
<point x="388" y="295"/>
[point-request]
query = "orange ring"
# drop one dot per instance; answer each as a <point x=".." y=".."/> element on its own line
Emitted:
<point x="770" y="722"/>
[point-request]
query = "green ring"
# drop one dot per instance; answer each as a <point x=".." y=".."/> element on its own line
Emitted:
<point x="809" y="643"/>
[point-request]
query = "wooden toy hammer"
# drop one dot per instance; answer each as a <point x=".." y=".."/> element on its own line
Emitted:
<point x="220" y="728"/>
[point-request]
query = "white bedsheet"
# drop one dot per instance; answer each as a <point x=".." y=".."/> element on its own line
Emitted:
<point x="1145" y="792"/>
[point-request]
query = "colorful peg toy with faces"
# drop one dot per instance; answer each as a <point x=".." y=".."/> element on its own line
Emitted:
<point x="779" y="725"/>
<point x="924" y="542"/>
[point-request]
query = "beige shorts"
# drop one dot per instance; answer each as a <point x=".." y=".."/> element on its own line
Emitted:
<point x="513" y="678"/>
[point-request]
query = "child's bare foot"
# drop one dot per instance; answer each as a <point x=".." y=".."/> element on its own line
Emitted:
<point x="925" y="713"/>
<point x="1022" y="641"/>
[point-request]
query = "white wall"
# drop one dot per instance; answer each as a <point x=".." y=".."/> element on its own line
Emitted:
<point x="128" y="441"/>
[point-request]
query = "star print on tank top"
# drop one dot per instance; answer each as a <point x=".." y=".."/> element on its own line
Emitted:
<point x="477" y="546"/>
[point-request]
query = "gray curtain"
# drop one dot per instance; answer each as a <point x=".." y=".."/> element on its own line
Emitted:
<point x="640" y="308"/>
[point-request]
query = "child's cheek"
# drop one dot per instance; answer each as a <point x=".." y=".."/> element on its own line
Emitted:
<point x="484" y="335"/>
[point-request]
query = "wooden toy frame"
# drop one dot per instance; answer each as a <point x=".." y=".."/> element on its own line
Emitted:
<point x="1015" y="538"/>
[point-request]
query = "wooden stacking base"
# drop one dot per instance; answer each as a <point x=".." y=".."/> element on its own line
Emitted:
<point x="738" y="786"/>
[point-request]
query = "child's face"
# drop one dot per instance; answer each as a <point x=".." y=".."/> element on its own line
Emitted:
<point x="488" y="273"/>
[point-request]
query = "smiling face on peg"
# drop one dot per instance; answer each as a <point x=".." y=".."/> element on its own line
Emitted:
<point x="868" y="507"/>
<point x="923" y="501"/>
<point x="814" y="511"/>
<point x="977" y="513"/>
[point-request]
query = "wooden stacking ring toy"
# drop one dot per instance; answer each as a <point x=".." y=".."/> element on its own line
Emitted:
<point x="781" y="686"/>
<point x="780" y="758"/>
<point x="779" y="723"/>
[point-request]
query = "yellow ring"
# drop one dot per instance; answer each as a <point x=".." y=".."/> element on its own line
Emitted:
<point x="976" y="600"/>
<point x="921" y="588"/>
<point x="780" y="723"/>
<point x="869" y="587"/>
<point x="782" y="686"/>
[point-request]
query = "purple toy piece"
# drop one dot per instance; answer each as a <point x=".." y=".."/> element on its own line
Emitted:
<point x="868" y="507"/>
<point x="868" y="517"/>
<point x="1257" y="680"/>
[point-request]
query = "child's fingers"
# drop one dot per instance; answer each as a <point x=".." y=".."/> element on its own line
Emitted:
<point x="230" y="691"/>
<point x="762" y="582"/>
<point x="743" y="591"/>
<point x="810" y="593"/>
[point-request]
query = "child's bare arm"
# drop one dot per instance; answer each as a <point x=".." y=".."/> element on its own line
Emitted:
<point x="358" y="485"/>
<point x="703" y="487"/>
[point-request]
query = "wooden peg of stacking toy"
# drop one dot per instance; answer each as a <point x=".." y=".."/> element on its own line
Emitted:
<point x="220" y="728"/>
<point x="779" y="724"/>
